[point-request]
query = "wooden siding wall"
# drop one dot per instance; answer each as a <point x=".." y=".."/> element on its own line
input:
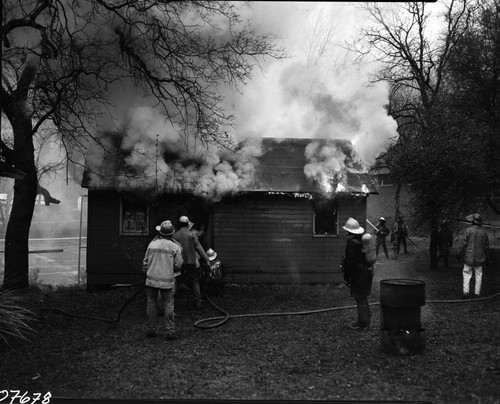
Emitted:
<point x="269" y="239"/>
<point x="260" y="238"/>
<point x="113" y="258"/>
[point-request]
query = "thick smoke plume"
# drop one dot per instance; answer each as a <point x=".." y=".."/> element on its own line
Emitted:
<point x="326" y="165"/>
<point x="153" y="154"/>
<point x="317" y="93"/>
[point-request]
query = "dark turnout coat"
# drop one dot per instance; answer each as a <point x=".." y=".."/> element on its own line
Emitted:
<point x="474" y="246"/>
<point x="445" y="240"/>
<point x="357" y="273"/>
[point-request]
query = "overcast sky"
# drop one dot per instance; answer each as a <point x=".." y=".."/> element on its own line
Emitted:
<point x="317" y="92"/>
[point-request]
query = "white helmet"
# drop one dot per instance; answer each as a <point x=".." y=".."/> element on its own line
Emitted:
<point x="166" y="228"/>
<point x="352" y="226"/>
<point x="211" y="254"/>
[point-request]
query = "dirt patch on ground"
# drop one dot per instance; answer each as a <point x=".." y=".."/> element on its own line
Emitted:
<point x="299" y="357"/>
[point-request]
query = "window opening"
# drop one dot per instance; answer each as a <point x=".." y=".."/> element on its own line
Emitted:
<point x="325" y="217"/>
<point x="133" y="217"/>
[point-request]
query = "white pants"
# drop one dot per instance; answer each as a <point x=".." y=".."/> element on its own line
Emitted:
<point x="467" y="274"/>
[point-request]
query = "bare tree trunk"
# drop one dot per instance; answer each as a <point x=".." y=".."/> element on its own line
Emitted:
<point x="18" y="229"/>
<point x="22" y="156"/>
<point x="25" y="191"/>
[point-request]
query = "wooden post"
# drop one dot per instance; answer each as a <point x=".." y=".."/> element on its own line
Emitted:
<point x="80" y="236"/>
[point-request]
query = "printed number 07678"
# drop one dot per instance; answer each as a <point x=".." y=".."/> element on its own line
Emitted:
<point x="16" y="397"/>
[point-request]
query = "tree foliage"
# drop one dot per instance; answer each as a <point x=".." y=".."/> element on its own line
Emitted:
<point x="180" y="52"/>
<point x="412" y="60"/>
<point x="444" y="94"/>
<point x="62" y="61"/>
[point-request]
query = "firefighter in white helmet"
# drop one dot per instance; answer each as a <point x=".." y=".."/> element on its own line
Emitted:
<point x="382" y="232"/>
<point x="358" y="275"/>
<point x="162" y="263"/>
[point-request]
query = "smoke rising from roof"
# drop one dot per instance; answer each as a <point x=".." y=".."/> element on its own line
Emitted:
<point x="325" y="165"/>
<point x="154" y="154"/>
<point x="317" y="93"/>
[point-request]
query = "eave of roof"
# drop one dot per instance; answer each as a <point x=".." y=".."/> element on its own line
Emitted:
<point x="281" y="168"/>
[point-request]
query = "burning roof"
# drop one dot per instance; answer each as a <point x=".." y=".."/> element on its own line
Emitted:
<point x="328" y="167"/>
<point x="312" y="166"/>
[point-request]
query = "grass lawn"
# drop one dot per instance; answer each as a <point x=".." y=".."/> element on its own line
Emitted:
<point x="290" y="357"/>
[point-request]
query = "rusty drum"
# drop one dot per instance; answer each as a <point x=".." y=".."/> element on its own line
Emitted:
<point x="401" y="328"/>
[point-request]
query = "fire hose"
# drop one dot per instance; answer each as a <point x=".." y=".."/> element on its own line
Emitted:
<point x="106" y="320"/>
<point x="218" y="321"/>
<point x="221" y="320"/>
<point x="226" y="316"/>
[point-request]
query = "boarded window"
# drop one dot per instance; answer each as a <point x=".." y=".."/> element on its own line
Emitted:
<point x="133" y="217"/>
<point x="325" y="217"/>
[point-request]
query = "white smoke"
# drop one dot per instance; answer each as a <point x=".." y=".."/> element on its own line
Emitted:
<point x="316" y="93"/>
<point x="319" y="92"/>
<point x="325" y="164"/>
<point x="168" y="161"/>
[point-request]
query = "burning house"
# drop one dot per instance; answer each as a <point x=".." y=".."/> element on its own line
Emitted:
<point x="278" y="220"/>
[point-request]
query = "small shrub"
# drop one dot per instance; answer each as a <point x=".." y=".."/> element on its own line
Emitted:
<point x="34" y="276"/>
<point x="82" y="280"/>
<point x="15" y="319"/>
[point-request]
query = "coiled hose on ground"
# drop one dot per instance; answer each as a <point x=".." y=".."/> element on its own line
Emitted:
<point x="227" y="316"/>
<point x="218" y="321"/>
<point x="106" y="320"/>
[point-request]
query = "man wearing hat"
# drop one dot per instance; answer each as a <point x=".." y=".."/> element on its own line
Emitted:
<point x="358" y="275"/>
<point x="213" y="277"/>
<point x="162" y="263"/>
<point x="190" y="246"/>
<point x="382" y="232"/>
<point x="473" y="251"/>
<point x="400" y="229"/>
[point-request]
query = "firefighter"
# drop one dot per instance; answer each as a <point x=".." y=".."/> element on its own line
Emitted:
<point x="190" y="246"/>
<point x="162" y="263"/>
<point x="358" y="275"/>
<point x="213" y="275"/>
<point x="400" y="229"/>
<point x="382" y="232"/>
<point x="474" y="252"/>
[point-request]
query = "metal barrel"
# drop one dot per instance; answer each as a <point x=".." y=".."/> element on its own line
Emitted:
<point x="401" y="328"/>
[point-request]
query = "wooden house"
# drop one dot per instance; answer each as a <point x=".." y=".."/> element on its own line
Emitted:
<point x="282" y="228"/>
